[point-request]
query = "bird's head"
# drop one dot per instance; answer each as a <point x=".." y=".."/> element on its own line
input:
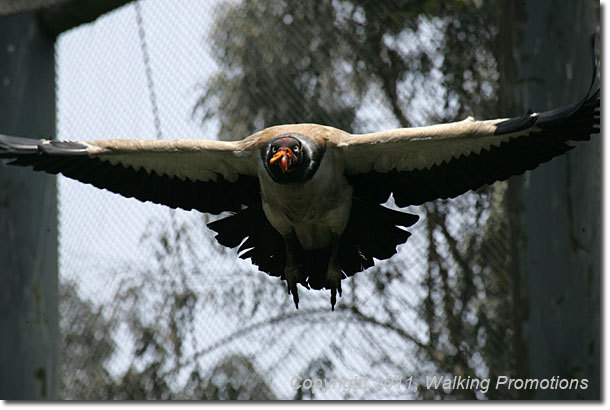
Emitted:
<point x="285" y="153"/>
<point x="291" y="158"/>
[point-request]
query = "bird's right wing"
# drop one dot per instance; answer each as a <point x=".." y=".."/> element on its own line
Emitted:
<point x="210" y="176"/>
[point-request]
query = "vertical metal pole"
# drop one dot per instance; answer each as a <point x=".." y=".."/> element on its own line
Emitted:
<point x="560" y="219"/>
<point x="28" y="217"/>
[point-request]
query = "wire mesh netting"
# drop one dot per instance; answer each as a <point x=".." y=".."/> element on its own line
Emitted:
<point x="153" y="307"/>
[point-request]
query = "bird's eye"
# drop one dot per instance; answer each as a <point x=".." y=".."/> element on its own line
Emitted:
<point x="295" y="148"/>
<point x="274" y="149"/>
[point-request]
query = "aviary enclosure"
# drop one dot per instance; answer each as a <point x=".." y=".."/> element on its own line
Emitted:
<point x="111" y="298"/>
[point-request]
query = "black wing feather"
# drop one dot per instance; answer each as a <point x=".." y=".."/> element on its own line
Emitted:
<point x="72" y="160"/>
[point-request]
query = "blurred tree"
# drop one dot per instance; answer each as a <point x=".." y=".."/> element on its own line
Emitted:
<point x="234" y="378"/>
<point x="86" y="346"/>
<point x="320" y="368"/>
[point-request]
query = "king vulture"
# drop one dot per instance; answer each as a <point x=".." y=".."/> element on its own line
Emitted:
<point x="305" y="198"/>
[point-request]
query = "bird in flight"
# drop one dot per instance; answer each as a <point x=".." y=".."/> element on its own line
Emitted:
<point x="306" y="199"/>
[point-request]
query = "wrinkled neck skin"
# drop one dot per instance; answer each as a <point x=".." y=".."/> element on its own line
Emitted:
<point x="311" y="153"/>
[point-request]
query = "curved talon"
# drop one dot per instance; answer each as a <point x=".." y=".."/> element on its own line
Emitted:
<point x="334" y="287"/>
<point x="295" y="299"/>
<point x="292" y="288"/>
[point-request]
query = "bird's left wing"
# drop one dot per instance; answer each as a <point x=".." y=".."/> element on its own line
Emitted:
<point x="443" y="161"/>
<point x="210" y="176"/>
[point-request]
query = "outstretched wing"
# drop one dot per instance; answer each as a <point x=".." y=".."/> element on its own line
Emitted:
<point x="210" y="176"/>
<point x="443" y="161"/>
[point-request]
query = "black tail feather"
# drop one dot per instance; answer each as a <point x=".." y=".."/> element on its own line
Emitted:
<point x="263" y="244"/>
<point x="373" y="231"/>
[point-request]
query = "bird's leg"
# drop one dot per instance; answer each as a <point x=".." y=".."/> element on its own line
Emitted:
<point x="292" y="270"/>
<point x="333" y="272"/>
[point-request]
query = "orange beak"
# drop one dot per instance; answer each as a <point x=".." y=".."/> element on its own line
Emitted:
<point x="284" y="155"/>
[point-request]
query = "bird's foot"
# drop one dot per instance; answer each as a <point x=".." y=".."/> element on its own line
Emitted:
<point x="333" y="282"/>
<point x="291" y="279"/>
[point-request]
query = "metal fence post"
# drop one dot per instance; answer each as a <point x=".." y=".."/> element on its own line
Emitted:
<point x="28" y="217"/>
<point x="559" y="273"/>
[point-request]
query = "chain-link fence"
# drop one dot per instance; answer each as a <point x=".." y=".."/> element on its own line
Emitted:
<point x="153" y="307"/>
